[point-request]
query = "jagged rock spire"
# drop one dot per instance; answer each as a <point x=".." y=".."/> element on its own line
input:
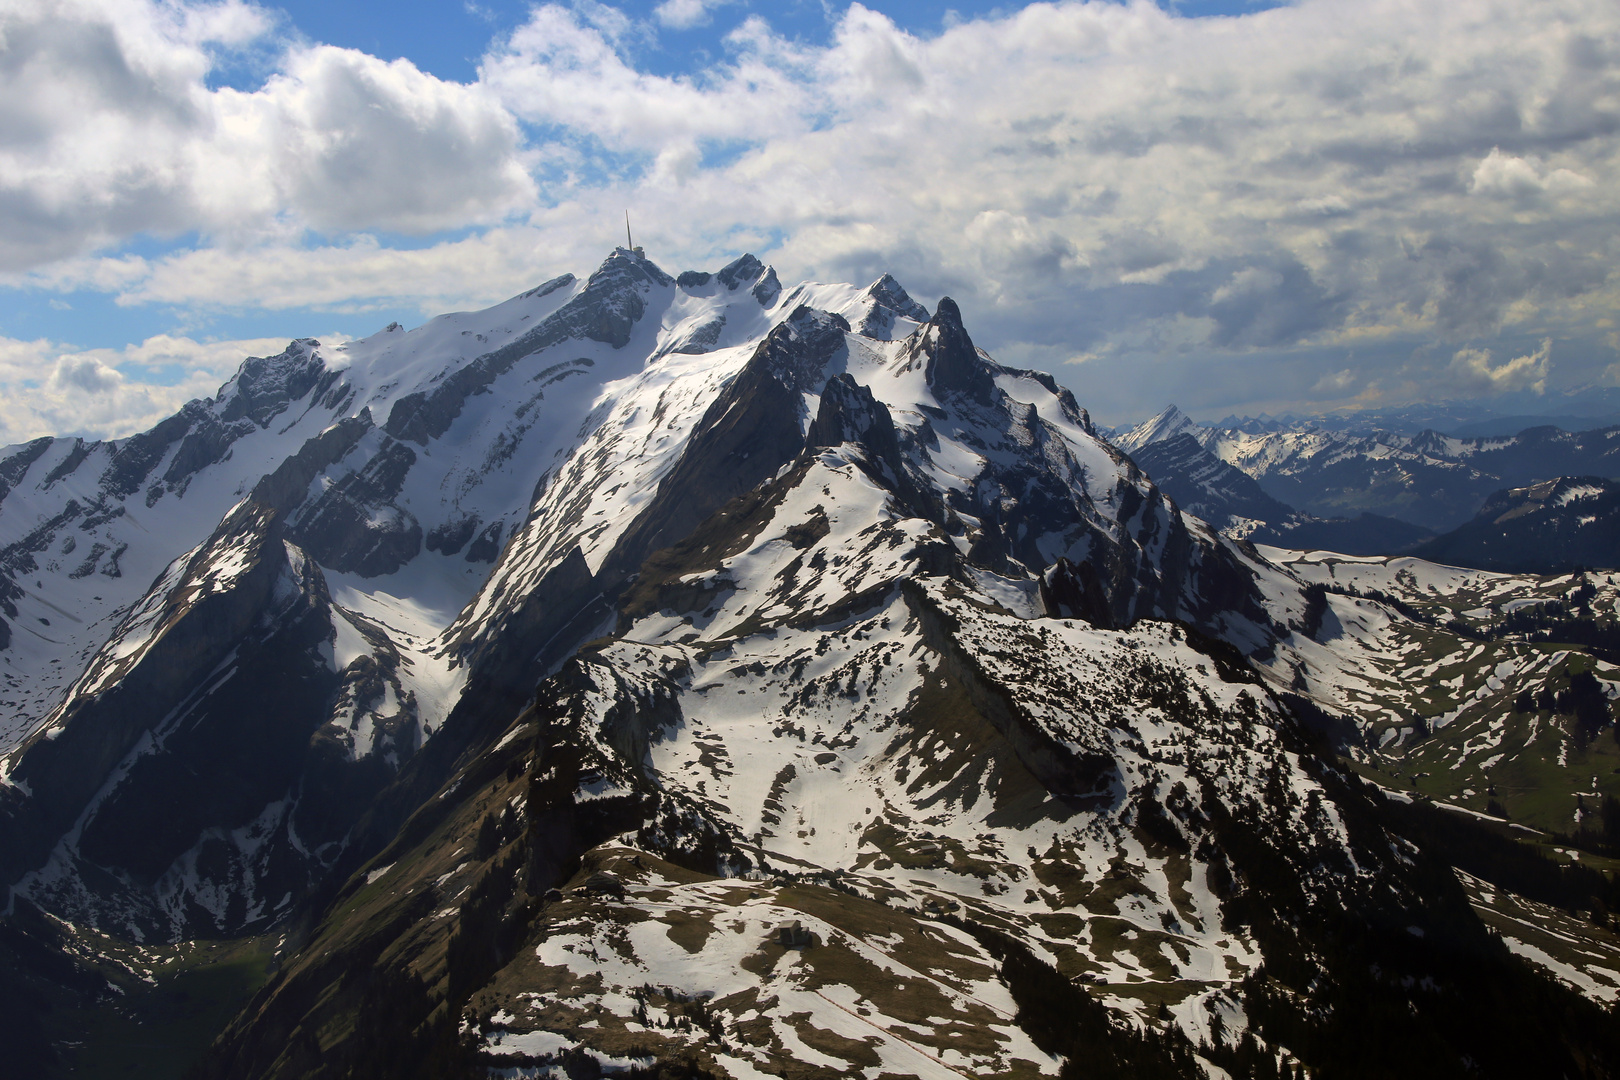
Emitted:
<point x="953" y="365"/>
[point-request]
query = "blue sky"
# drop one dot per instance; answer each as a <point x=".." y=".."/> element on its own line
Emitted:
<point x="448" y="39"/>
<point x="1329" y="204"/>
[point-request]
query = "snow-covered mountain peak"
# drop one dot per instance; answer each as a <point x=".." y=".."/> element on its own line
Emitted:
<point x="744" y="272"/>
<point x="892" y="295"/>
<point x="1161" y="428"/>
<point x="890" y="311"/>
<point x="263" y="386"/>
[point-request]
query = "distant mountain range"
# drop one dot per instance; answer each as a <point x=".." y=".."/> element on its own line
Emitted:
<point x="1379" y="493"/>
<point x="1583" y="409"/>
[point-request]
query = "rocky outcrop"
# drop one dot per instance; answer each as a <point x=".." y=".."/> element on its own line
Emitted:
<point x="950" y="361"/>
<point x="285" y="489"/>
<point x="848" y="413"/>
<point x="355" y="525"/>
<point x="16" y="465"/>
<point x="263" y="389"/>
<point x="1081" y="777"/>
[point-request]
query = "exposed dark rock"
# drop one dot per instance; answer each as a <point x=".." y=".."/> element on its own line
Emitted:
<point x="848" y="413"/>
<point x="889" y="293"/>
<point x="262" y="389"/>
<point x="205" y="445"/>
<point x="17" y="557"/>
<point x="1075" y="775"/>
<point x="701" y="339"/>
<point x="70" y="464"/>
<point x="112" y="569"/>
<point x="951" y="363"/>
<point x="334" y="787"/>
<point x="218" y="718"/>
<point x="506" y="665"/>
<point x="889" y="300"/>
<point x="1142" y="557"/>
<point x="743" y="270"/>
<point x="452" y="536"/>
<point x="286" y="488"/>
<point x="194" y="629"/>
<point x="237" y="750"/>
<point x="100" y="516"/>
<point x="487" y="547"/>
<point x="1070" y="591"/>
<point x="605" y="310"/>
<point x="15" y="466"/>
<point x="135" y="457"/>
<point x="768" y="288"/>
<point x="354" y="527"/>
<point x="90" y="562"/>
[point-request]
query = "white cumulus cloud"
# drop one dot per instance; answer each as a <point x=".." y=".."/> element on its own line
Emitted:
<point x="685" y="14"/>
<point x="1504" y="174"/>
<point x="1474" y="371"/>
<point x="108" y="129"/>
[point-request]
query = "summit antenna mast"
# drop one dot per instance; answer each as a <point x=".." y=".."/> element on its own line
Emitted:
<point x="627" y="241"/>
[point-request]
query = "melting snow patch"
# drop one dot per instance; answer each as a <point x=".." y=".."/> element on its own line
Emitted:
<point x="528" y="1044"/>
<point x="1566" y="973"/>
<point x="509" y="736"/>
<point x="1578" y="492"/>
